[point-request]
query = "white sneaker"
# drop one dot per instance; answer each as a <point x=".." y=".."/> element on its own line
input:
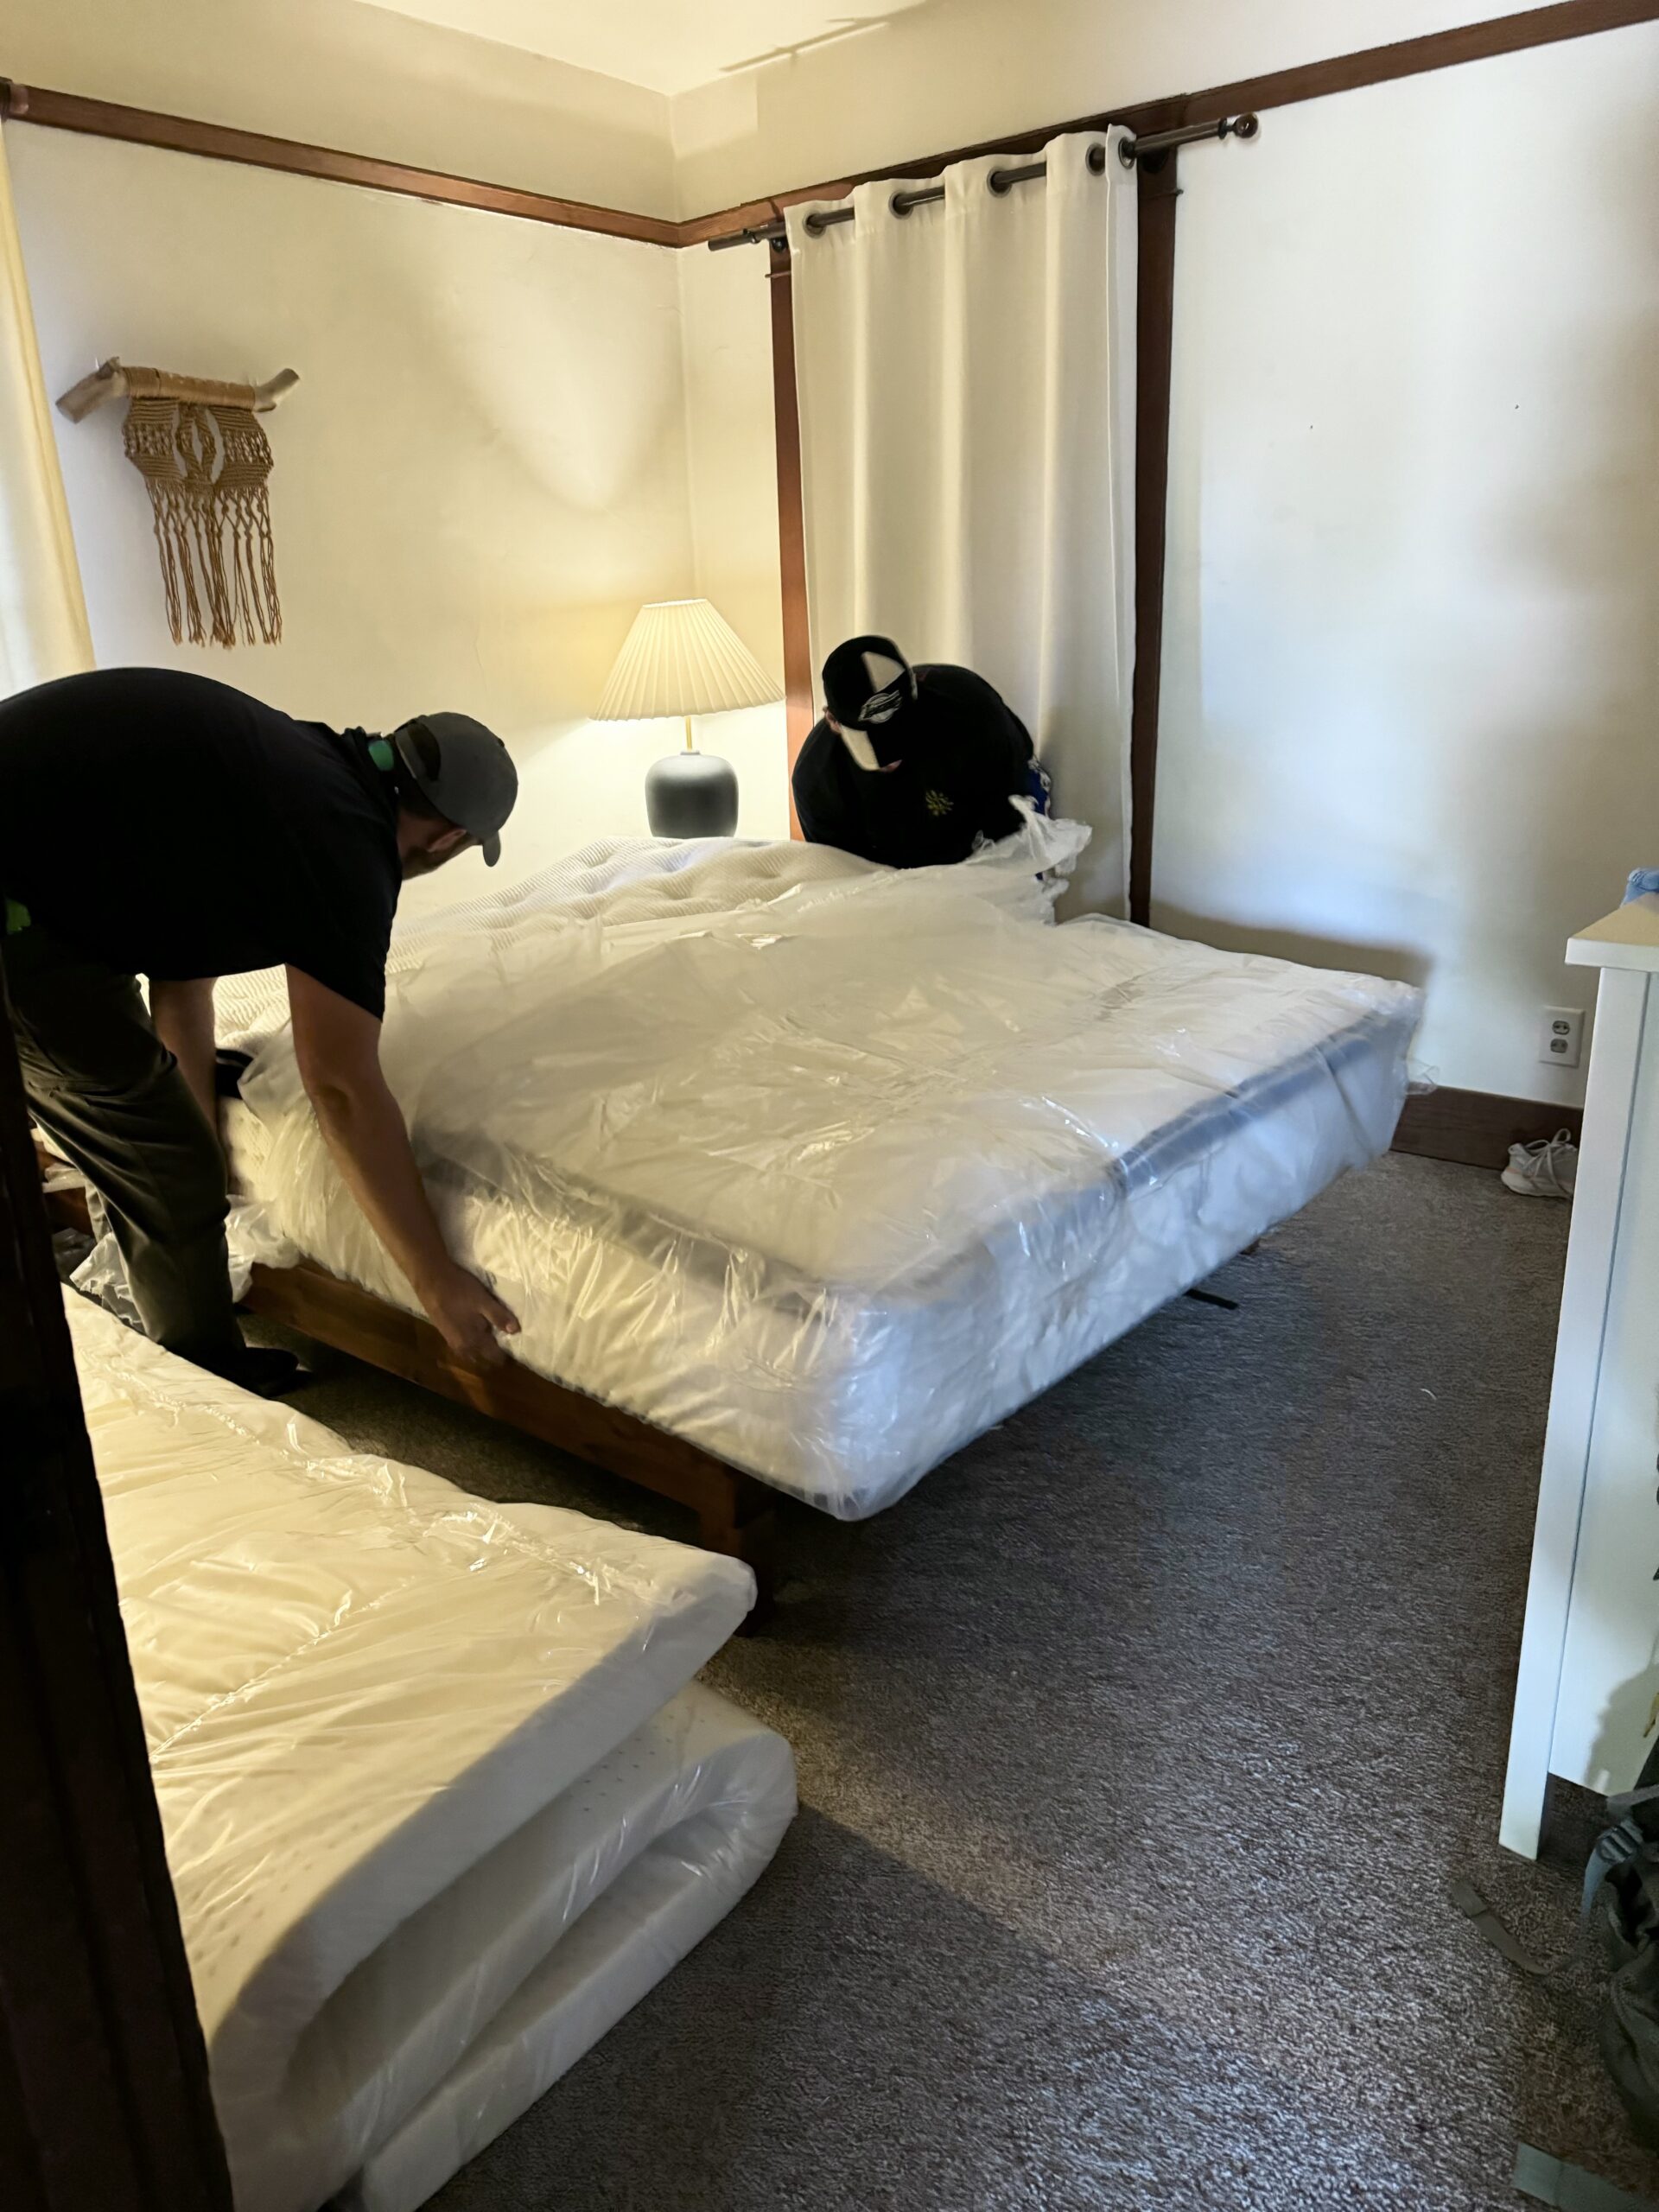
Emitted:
<point x="1549" y="1169"/>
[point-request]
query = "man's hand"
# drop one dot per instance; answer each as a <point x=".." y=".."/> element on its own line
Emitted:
<point x="467" y="1314"/>
<point x="337" y="1045"/>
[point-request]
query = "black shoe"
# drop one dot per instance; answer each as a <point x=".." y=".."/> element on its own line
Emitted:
<point x="265" y="1371"/>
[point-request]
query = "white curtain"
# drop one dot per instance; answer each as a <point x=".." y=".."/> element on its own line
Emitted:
<point x="43" y="630"/>
<point x="966" y="375"/>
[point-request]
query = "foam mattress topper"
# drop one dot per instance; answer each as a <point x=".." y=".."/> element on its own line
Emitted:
<point x="403" y="1742"/>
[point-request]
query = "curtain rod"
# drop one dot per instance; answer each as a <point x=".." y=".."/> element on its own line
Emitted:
<point x="1129" y="151"/>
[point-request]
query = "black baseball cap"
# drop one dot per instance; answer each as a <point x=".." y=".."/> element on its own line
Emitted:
<point x="868" y="685"/>
<point x="476" y="782"/>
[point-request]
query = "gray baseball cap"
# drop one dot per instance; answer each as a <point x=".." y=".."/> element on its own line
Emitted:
<point x="475" y="783"/>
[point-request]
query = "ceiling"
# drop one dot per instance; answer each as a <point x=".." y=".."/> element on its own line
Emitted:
<point x="667" y="46"/>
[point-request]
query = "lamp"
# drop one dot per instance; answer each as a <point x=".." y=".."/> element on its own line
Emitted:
<point x="683" y="658"/>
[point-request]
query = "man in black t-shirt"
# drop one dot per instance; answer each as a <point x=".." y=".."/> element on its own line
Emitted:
<point x="911" y="767"/>
<point x="159" y="824"/>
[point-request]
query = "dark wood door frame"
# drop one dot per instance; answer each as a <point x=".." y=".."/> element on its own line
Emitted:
<point x="104" y="2105"/>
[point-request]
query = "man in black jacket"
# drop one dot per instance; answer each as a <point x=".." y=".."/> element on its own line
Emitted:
<point x="158" y="824"/>
<point x="911" y="767"/>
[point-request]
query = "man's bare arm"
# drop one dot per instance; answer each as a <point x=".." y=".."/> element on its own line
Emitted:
<point x="338" y="1047"/>
<point x="181" y="1015"/>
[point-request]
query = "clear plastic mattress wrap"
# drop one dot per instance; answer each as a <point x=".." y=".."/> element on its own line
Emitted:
<point x="440" y="1796"/>
<point x="823" y="1166"/>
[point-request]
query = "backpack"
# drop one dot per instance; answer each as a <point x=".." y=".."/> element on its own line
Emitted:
<point x="1624" y="1869"/>
<point x="1621" y="1875"/>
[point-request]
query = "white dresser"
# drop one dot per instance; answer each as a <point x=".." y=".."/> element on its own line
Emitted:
<point x="1589" y="1672"/>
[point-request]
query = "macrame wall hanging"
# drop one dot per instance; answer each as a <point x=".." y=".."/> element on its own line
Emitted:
<point x="205" y="461"/>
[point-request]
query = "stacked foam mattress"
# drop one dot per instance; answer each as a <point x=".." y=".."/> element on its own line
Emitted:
<point x="827" y="1167"/>
<point x="442" y="1799"/>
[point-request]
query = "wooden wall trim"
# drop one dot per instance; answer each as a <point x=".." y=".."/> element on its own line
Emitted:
<point x="1478" y="1127"/>
<point x="1416" y="57"/>
<point x="1513" y="34"/>
<point x="182" y="134"/>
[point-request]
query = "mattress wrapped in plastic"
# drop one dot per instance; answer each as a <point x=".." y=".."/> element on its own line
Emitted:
<point x="440" y="1796"/>
<point x="827" y="1168"/>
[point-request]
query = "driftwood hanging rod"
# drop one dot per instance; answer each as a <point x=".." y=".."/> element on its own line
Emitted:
<point x="115" y="379"/>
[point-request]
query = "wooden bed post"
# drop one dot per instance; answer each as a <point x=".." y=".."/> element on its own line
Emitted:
<point x="791" y="511"/>
<point x="740" y="1520"/>
<point x="1157" y="192"/>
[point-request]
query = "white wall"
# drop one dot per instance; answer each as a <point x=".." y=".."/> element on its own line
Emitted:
<point x="337" y="74"/>
<point x="731" y="493"/>
<point x="480" y="476"/>
<point x="1410" y="669"/>
<point x="953" y="73"/>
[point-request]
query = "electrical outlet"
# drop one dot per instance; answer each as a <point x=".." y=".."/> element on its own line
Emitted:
<point x="1561" y="1038"/>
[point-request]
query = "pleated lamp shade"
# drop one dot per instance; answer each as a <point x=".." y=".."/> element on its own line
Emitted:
<point x="683" y="658"/>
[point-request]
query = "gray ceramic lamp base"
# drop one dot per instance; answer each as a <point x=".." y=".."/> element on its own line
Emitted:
<point x="691" y="795"/>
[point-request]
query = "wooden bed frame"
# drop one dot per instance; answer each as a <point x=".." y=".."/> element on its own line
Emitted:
<point x="734" y="1511"/>
<point x="736" y="1514"/>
